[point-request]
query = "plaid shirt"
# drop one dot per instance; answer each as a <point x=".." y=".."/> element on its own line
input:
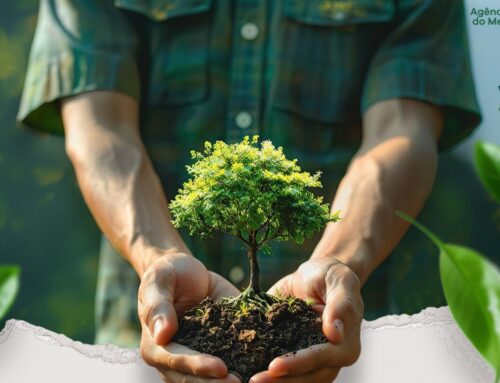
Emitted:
<point x="298" y="72"/>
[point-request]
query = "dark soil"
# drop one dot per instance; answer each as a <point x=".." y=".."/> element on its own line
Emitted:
<point x="248" y="340"/>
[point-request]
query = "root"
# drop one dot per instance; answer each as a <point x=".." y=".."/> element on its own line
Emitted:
<point x="249" y="300"/>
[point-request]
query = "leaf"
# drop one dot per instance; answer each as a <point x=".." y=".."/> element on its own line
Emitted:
<point x="9" y="286"/>
<point x="487" y="163"/>
<point x="252" y="188"/>
<point x="471" y="285"/>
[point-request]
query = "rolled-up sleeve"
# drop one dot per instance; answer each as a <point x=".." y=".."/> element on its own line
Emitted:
<point x="426" y="57"/>
<point x="79" y="46"/>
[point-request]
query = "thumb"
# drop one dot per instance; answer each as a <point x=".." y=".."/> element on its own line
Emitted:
<point x="343" y="310"/>
<point x="163" y="324"/>
<point x="156" y="309"/>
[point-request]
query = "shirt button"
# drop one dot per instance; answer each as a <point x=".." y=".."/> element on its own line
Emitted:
<point x="236" y="274"/>
<point x="249" y="31"/>
<point x="339" y="16"/>
<point x="243" y="120"/>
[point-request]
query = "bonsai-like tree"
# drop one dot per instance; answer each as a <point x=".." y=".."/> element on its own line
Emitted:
<point x="253" y="193"/>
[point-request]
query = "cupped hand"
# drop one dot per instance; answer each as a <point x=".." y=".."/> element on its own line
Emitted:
<point x="335" y="292"/>
<point x="170" y="286"/>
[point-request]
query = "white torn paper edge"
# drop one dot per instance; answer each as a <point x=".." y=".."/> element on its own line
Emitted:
<point x="426" y="347"/>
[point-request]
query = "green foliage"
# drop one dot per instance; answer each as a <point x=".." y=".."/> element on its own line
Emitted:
<point x="244" y="309"/>
<point x="471" y="285"/>
<point x="9" y="286"/>
<point x="309" y="301"/>
<point x="253" y="193"/>
<point x="487" y="163"/>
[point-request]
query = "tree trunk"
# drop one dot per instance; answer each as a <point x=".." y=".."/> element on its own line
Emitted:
<point x="254" y="269"/>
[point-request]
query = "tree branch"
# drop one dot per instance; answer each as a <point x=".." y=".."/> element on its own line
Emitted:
<point x="240" y="236"/>
<point x="268" y="223"/>
<point x="264" y="239"/>
<point x="276" y="236"/>
<point x="204" y="223"/>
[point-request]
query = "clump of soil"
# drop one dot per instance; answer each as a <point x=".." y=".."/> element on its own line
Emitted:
<point x="247" y="338"/>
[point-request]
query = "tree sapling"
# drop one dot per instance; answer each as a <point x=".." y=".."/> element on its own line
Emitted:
<point x="254" y="194"/>
<point x="257" y="195"/>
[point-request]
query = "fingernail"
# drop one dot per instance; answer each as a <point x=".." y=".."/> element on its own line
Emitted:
<point x="157" y="327"/>
<point x="339" y="326"/>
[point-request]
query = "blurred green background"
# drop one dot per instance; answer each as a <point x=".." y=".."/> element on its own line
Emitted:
<point x="44" y="225"/>
<point x="46" y="228"/>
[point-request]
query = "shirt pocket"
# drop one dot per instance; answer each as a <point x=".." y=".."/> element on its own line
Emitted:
<point x="178" y="48"/>
<point x="323" y="49"/>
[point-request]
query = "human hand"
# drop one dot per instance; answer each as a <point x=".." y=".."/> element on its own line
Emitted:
<point x="172" y="284"/>
<point x="335" y="291"/>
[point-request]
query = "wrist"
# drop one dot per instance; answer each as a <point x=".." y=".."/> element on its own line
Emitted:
<point x="357" y="256"/>
<point x="143" y="256"/>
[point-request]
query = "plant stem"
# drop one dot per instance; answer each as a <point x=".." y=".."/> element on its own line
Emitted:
<point x="254" y="266"/>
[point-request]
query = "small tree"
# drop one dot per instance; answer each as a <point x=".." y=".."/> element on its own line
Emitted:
<point x="254" y="194"/>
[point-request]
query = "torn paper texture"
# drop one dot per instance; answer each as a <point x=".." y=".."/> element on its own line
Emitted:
<point x="427" y="347"/>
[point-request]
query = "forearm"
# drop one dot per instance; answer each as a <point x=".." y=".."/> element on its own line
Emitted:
<point x="118" y="181"/>
<point x="393" y="170"/>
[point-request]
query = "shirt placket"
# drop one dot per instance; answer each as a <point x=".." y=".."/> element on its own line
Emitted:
<point x="247" y="65"/>
<point x="244" y="113"/>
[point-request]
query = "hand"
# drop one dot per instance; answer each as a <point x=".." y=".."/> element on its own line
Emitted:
<point x="335" y="291"/>
<point x="172" y="284"/>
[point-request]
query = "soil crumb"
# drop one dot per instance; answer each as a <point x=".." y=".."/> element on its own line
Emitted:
<point x="248" y="340"/>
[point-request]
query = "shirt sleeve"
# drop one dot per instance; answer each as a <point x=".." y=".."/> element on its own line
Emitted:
<point x="79" y="46"/>
<point x="426" y="57"/>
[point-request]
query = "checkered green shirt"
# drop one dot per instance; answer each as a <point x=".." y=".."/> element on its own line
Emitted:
<point x="298" y="72"/>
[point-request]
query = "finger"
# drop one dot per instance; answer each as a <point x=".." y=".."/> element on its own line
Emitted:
<point x="155" y="307"/>
<point x="324" y="375"/>
<point x="220" y="287"/>
<point x="319" y="308"/>
<point x="174" y="377"/>
<point x="280" y="288"/>
<point x="181" y="359"/>
<point x="316" y="357"/>
<point x="343" y="310"/>
<point x="275" y="291"/>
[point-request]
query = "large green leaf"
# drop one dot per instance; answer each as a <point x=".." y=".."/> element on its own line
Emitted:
<point x="9" y="286"/>
<point x="471" y="285"/>
<point x="487" y="163"/>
